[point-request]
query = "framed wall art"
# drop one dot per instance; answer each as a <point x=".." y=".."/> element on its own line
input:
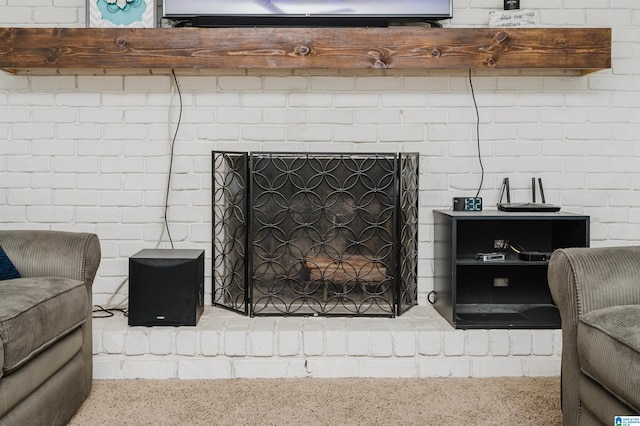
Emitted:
<point x="121" y="13"/>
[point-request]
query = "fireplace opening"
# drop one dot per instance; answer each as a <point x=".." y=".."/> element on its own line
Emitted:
<point x="315" y="234"/>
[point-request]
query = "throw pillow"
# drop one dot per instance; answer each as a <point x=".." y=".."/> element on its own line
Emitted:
<point x="7" y="269"/>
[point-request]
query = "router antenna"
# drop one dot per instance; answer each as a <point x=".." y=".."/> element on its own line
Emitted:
<point x="533" y="190"/>
<point x="541" y="191"/>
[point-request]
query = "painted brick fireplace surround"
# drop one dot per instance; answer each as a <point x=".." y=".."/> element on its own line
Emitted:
<point x="90" y="152"/>
<point x="227" y="345"/>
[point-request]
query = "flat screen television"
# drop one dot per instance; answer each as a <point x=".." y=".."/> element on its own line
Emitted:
<point x="305" y="12"/>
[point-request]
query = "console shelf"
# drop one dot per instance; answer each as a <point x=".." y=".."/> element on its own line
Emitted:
<point x="399" y="48"/>
<point x="510" y="293"/>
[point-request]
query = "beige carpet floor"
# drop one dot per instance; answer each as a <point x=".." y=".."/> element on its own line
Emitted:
<point x="450" y="401"/>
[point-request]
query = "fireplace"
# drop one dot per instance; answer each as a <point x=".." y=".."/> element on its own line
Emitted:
<point x="315" y="234"/>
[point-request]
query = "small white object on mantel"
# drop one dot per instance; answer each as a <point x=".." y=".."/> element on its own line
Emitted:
<point x="520" y="18"/>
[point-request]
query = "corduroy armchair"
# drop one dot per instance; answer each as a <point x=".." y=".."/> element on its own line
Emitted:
<point x="597" y="291"/>
<point x="45" y="326"/>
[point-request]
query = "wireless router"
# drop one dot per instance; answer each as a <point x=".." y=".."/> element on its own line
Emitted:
<point x="525" y="207"/>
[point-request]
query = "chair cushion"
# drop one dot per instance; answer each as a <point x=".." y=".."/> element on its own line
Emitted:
<point x="36" y="312"/>
<point x="609" y="350"/>
<point x="7" y="269"/>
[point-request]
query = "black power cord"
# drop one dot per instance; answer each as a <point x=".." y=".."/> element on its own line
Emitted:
<point x="108" y="312"/>
<point x="475" y="104"/>
<point x="173" y="143"/>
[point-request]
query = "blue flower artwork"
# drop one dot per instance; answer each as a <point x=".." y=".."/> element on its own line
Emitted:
<point x="122" y="12"/>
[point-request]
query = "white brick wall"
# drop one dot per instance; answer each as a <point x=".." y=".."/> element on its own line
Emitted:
<point x="91" y="152"/>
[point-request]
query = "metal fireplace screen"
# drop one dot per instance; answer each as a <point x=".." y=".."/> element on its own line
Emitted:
<point x="315" y="234"/>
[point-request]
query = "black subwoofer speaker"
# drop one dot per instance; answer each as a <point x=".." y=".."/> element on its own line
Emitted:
<point x="166" y="287"/>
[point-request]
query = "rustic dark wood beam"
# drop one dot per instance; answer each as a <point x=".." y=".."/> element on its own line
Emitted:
<point x="305" y="48"/>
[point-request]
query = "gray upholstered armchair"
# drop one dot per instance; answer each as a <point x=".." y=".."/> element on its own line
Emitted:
<point x="45" y="326"/>
<point x="598" y="293"/>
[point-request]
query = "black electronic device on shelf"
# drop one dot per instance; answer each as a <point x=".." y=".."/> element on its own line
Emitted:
<point x="533" y="206"/>
<point x="332" y="13"/>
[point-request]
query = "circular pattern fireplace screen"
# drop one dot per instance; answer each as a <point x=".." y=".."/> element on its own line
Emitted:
<point x="315" y="234"/>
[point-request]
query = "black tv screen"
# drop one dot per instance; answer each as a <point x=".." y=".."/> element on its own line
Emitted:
<point x="305" y="12"/>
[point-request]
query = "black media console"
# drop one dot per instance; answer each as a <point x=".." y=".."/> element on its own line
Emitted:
<point x="472" y="292"/>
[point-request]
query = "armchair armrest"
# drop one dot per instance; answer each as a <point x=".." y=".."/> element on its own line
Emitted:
<point x="584" y="279"/>
<point x="38" y="253"/>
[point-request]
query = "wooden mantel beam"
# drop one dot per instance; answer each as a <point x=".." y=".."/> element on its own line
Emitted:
<point x="305" y="48"/>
